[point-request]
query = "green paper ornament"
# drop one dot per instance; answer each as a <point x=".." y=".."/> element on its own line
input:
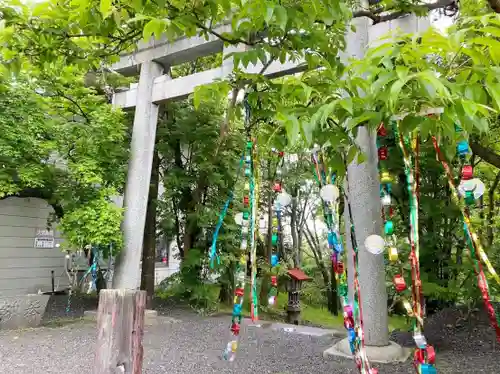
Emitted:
<point x="469" y="197"/>
<point x="389" y="228"/>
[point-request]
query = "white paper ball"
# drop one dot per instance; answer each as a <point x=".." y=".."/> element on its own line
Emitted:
<point x="386" y="200"/>
<point x="375" y="244"/>
<point x="238" y="218"/>
<point x="283" y="199"/>
<point x="479" y="190"/>
<point x="474" y="184"/>
<point x="329" y="193"/>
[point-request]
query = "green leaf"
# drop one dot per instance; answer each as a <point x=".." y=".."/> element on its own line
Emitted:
<point x="402" y="72"/>
<point x="365" y="117"/>
<point x="409" y="123"/>
<point x="351" y="154"/>
<point x="494" y="91"/>
<point x="394" y="93"/>
<point x="430" y="77"/>
<point x="106" y="7"/>
<point x="269" y="13"/>
<point x="346" y="103"/>
<point x="281" y="16"/>
<point x="307" y="131"/>
<point x="154" y="26"/>
<point x="292" y="126"/>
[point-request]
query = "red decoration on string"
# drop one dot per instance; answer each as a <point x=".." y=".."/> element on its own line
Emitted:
<point x="431" y="354"/>
<point x="381" y="130"/>
<point x="274" y="280"/>
<point x="246" y="201"/>
<point x="235" y="328"/>
<point x="383" y="153"/>
<point x="348" y="323"/>
<point x="419" y="357"/>
<point x="277" y="187"/>
<point x="239" y="292"/>
<point x="399" y="283"/>
<point x="359" y="363"/>
<point x="467" y="172"/>
<point x="339" y="267"/>
<point x="281" y="153"/>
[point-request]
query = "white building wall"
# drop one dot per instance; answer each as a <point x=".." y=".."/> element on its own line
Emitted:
<point x="24" y="268"/>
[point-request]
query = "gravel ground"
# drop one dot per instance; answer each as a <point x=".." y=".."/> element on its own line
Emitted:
<point x="194" y="345"/>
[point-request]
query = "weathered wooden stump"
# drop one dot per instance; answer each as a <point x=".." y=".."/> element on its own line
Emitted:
<point x="120" y="325"/>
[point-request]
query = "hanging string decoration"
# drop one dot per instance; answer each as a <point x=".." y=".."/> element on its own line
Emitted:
<point x="254" y="203"/>
<point x="281" y="200"/>
<point x="247" y="226"/>
<point x="353" y="318"/>
<point x="93" y="269"/>
<point x="471" y="189"/>
<point x="214" y="255"/>
<point x="424" y="357"/>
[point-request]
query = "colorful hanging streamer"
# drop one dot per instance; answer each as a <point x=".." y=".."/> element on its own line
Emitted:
<point x="214" y="257"/>
<point x="247" y="233"/>
<point x="353" y="317"/>
<point x="476" y="251"/>
<point x="275" y="234"/>
<point x="254" y="203"/>
<point x="424" y="357"/>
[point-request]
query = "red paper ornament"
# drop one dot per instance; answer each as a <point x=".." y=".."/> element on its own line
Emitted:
<point x="274" y="280"/>
<point x="281" y="153"/>
<point x="467" y="172"/>
<point x="383" y="153"/>
<point x="235" y="328"/>
<point x="277" y="187"/>
<point x="381" y="130"/>
<point x="419" y="357"/>
<point x="246" y="200"/>
<point x="348" y="323"/>
<point x="359" y="363"/>
<point x="431" y="354"/>
<point x="399" y="283"/>
<point x="339" y="267"/>
<point x="239" y="292"/>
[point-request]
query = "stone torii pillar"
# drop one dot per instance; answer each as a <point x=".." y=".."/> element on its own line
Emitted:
<point x="127" y="271"/>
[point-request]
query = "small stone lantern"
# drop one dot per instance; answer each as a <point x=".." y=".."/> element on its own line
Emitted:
<point x="297" y="276"/>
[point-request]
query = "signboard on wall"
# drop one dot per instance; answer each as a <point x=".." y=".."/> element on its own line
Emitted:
<point x="44" y="239"/>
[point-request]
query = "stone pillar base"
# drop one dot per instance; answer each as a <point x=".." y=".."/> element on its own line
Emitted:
<point x="391" y="353"/>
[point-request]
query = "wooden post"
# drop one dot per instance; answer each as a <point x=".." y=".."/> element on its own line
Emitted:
<point x="120" y="324"/>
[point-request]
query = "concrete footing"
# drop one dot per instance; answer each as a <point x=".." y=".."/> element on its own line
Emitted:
<point x="391" y="353"/>
<point x="150" y="316"/>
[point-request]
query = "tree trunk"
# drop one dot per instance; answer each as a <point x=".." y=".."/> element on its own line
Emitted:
<point x="333" y="300"/>
<point x="149" y="242"/>
<point x="495" y="5"/>
<point x="490" y="235"/>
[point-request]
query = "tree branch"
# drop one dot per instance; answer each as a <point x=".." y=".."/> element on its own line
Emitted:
<point x="378" y="16"/>
<point x="495" y="5"/>
<point x="487" y="154"/>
